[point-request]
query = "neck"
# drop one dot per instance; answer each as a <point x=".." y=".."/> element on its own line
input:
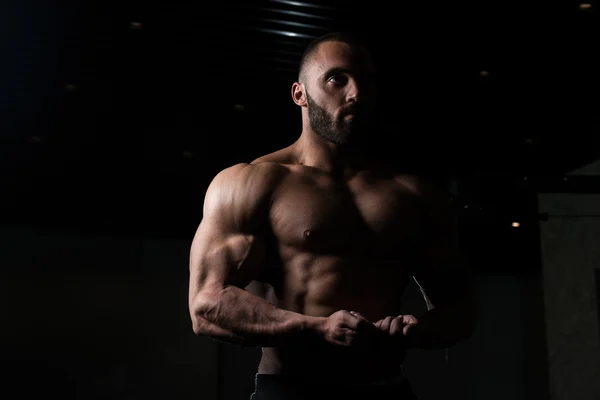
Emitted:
<point x="314" y="151"/>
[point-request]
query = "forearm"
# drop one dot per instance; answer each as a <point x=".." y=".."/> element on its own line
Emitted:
<point x="443" y="327"/>
<point x="236" y="316"/>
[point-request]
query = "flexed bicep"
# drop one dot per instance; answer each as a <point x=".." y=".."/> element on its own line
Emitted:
<point x="228" y="248"/>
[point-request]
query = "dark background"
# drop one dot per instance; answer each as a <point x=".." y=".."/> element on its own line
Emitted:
<point x="116" y="115"/>
<point x="113" y="109"/>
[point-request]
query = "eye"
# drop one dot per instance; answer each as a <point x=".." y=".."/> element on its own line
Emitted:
<point x="338" y="79"/>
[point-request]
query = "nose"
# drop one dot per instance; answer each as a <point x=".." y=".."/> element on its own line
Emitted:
<point x="352" y="93"/>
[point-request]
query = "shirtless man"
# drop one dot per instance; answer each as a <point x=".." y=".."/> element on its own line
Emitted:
<point x="332" y="238"/>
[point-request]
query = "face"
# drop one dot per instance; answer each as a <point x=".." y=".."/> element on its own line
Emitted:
<point x="340" y="92"/>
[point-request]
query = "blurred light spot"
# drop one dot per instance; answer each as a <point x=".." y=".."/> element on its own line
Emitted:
<point x="187" y="154"/>
<point x="484" y="73"/>
<point x="515" y="224"/>
<point x="585" y="6"/>
<point x="239" y="107"/>
<point x="136" y="25"/>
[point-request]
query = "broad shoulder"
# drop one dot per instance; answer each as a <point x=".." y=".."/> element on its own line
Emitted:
<point x="429" y="193"/>
<point x="243" y="185"/>
<point x="244" y="174"/>
<point x="418" y="184"/>
<point x="422" y="186"/>
<point x="259" y="177"/>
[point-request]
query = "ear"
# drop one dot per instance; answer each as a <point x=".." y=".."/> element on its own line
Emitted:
<point x="299" y="94"/>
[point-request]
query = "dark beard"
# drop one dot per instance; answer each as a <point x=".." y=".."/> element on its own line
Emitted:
<point x="337" y="131"/>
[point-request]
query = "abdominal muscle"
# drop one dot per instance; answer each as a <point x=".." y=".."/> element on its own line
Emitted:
<point x="321" y="286"/>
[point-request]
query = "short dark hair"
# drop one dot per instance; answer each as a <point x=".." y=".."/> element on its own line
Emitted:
<point x="341" y="36"/>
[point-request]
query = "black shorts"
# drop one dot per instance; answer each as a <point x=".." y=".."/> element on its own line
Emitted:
<point x="277" y="387"/>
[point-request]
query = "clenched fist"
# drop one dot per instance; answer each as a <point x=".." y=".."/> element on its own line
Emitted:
<point x="344" y="329"/>
<point x="395" y="326"/>
<point x="394" y="329"/>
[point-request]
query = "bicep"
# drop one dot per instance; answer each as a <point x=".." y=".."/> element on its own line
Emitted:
<point x="228" y="248"/>
<point x="220" y="258"/>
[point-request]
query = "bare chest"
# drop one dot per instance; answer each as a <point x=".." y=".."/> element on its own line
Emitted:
<point x="350" y="218"/>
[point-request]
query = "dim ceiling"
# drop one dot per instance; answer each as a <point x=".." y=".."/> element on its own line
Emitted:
<point x="139" y="98"/>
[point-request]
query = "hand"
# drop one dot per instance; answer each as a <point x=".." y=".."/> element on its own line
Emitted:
<point x="391" y="342"/>
<point x="344" y="329"/>
<point x="398" y="330"/>
<point x="393" y="327"/>
<point x="397" y="326"/>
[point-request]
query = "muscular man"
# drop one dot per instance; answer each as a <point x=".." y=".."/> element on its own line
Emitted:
<point x="333" y="237"/>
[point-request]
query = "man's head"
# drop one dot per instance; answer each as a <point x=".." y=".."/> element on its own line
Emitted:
<point x="336" y="87"/>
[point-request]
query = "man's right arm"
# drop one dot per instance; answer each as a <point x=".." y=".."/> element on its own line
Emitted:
<point x="227" y="253"/>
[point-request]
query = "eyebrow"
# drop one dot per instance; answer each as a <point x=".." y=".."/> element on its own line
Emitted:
<point x="335" y="70"/>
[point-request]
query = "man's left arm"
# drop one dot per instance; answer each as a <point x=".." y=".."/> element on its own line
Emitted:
<point x="444" y="277"/>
